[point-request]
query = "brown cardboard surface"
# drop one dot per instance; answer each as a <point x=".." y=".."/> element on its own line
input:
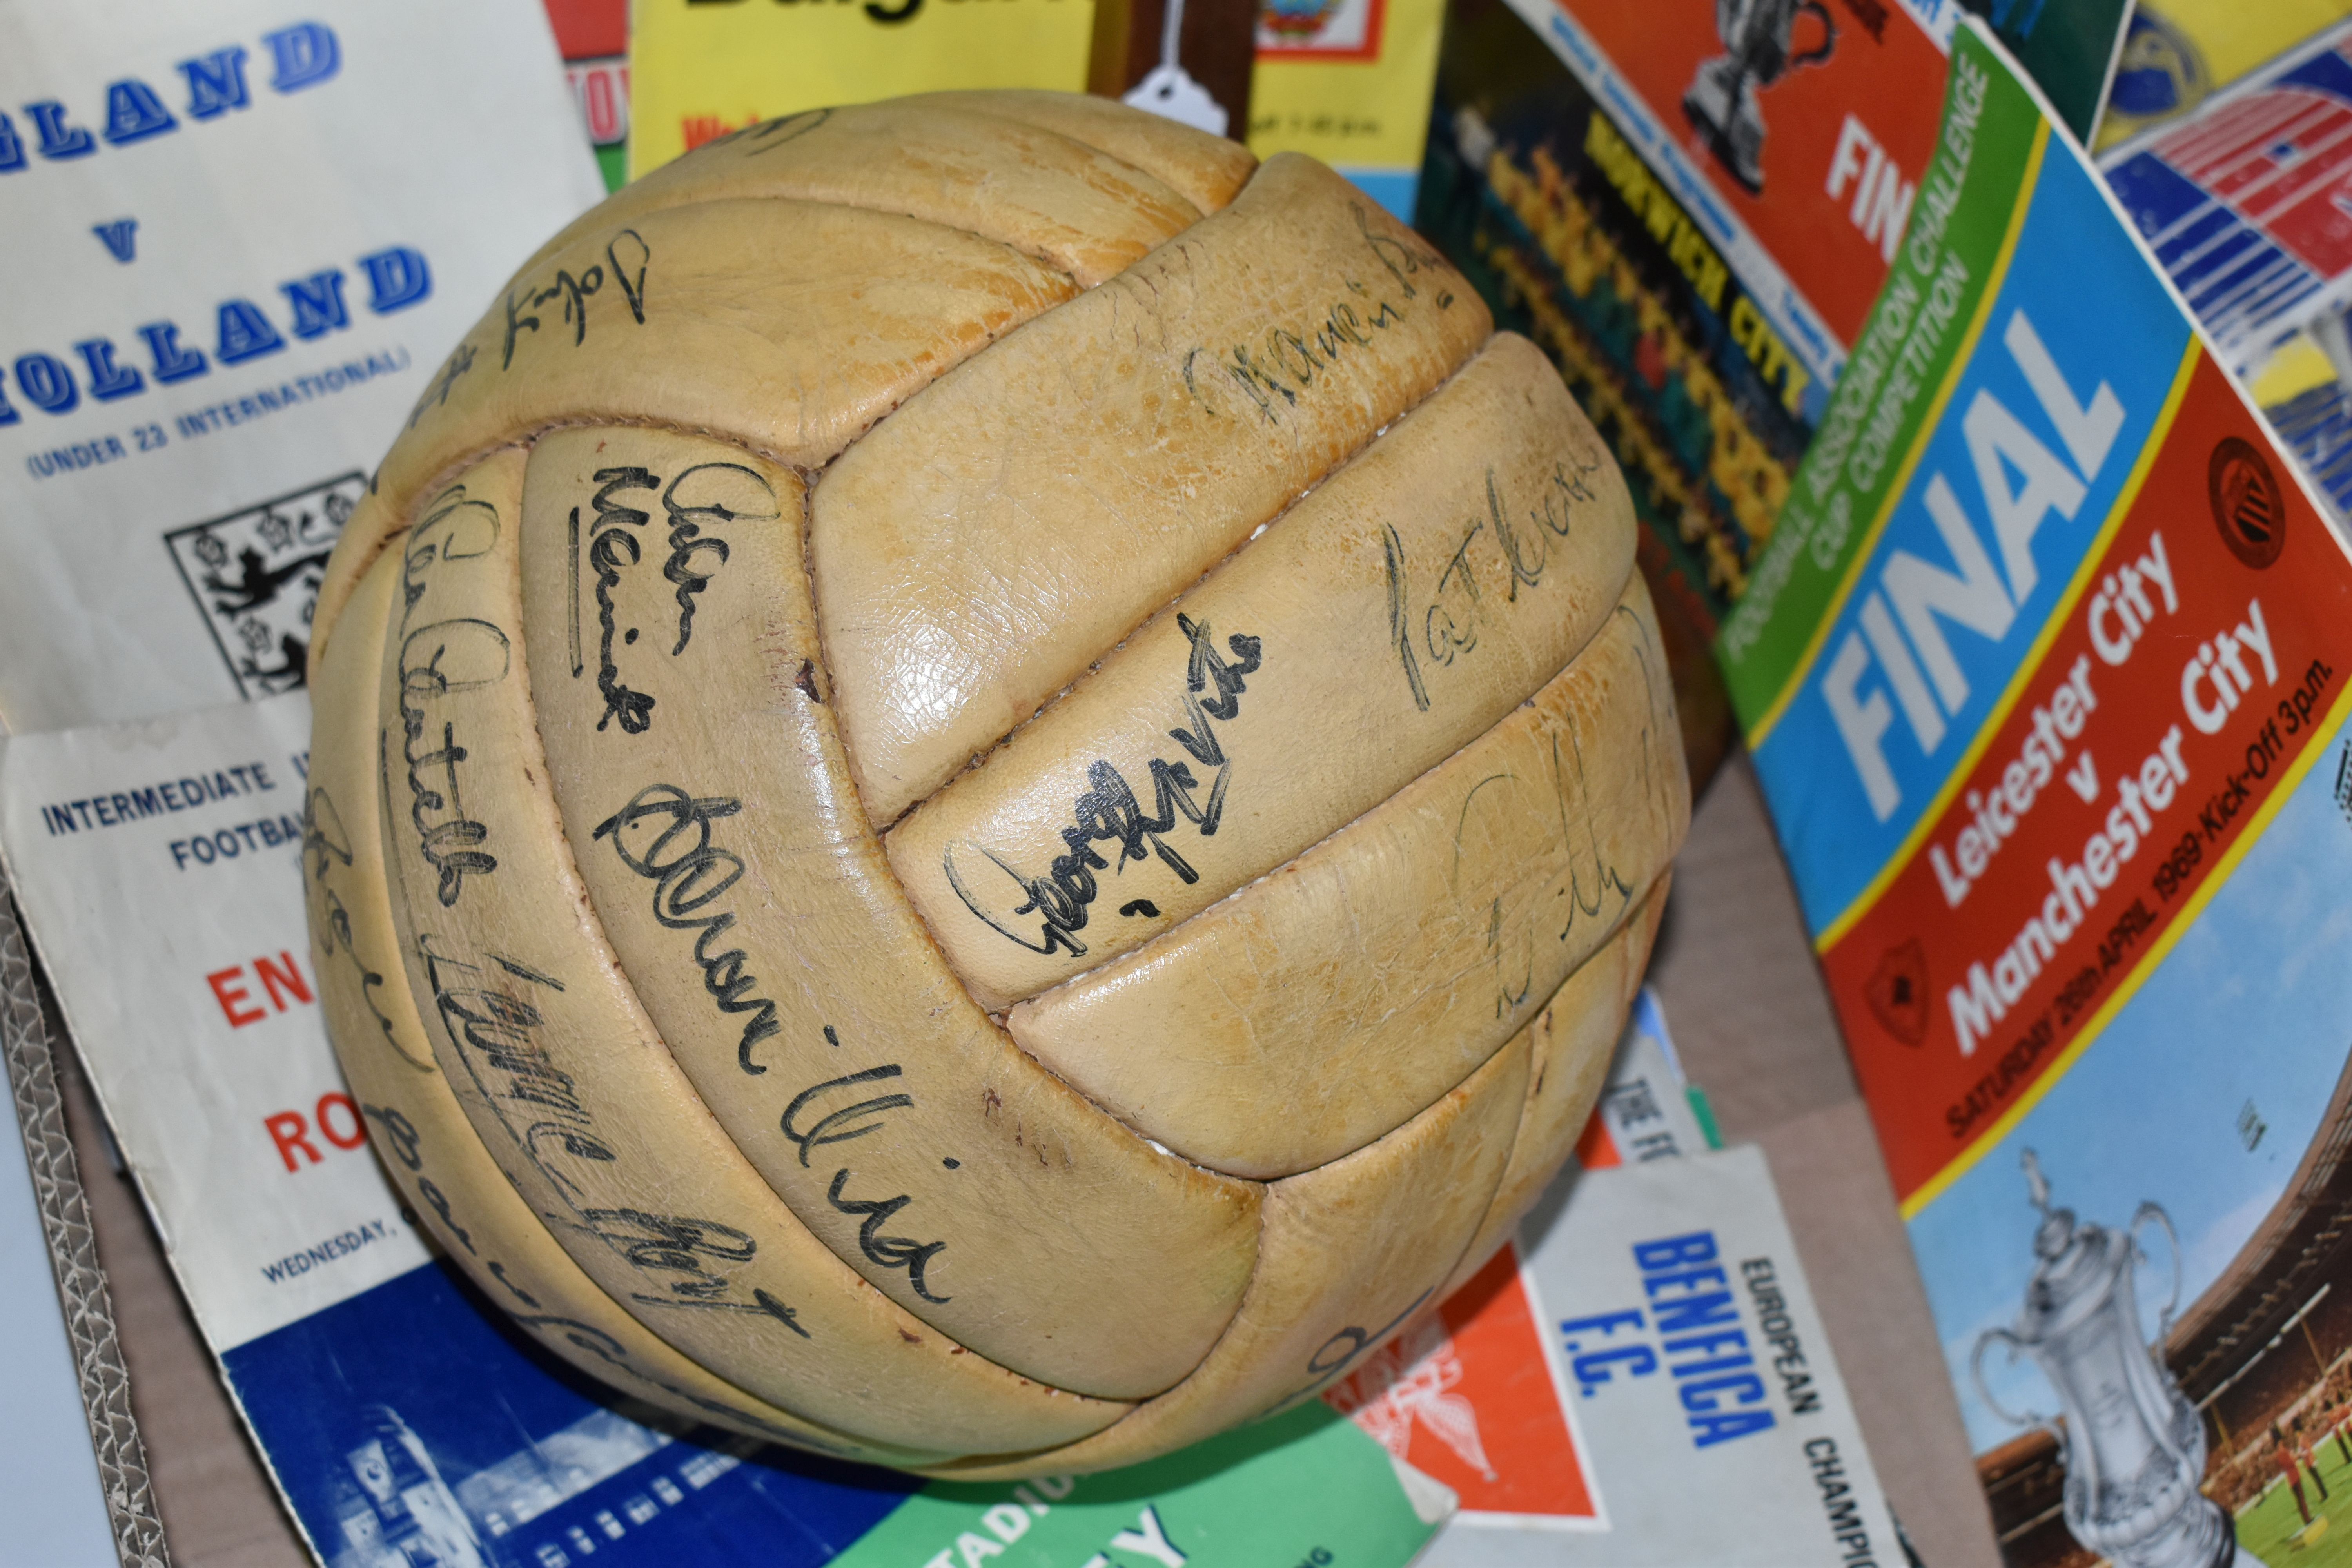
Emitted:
<point x="1748" y="1012"/>
<point x="1748" y="1015"/>
<point x="219" y="1509"/>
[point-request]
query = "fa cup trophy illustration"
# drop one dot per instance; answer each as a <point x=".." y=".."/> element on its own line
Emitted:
<point x="1759" y="39"/>
<point x="2132" y="1445"/>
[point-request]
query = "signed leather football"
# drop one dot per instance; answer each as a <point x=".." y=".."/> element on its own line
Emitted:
<point x="988" y="784"/>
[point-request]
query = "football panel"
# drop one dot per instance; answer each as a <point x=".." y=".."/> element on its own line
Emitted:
<point x="1350" y="1252"/>
<point x="787" y="326"/>
<point x="1075" y="208"/>
<point x="369" y="527"/>
<point x="681" y="696"/>
<point x="1571" y="1043"/>
<point x="1321" y="1005"/>
<point x="561" y="1073"/>
<point x="1205" y="170"/>
<point x="428" y="1147"/>
<point x="979" y="548"/>
<point x="1397" y="613"/>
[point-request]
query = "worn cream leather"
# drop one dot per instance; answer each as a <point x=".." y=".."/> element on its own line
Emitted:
<point x="1077" y="209"/>
<point x="1205" y="170"/>
<point x="785" y="326"/>
<point x="1076" y="184"/>
<point x="371" y="527"/>
<point x="1398" y="611"/>
<point x="433" y="1155"/>
<point x="890" y="485"/>
<point x="1350" y="1252"/>
<point x="563" y="1075"/>
<point x="1571" y="1044"/>
<point x="711" y="813"/>
<point x="1028" y="509"/>
<point x="1256" y="1039"/>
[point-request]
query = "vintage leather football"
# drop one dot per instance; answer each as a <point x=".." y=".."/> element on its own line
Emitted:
<point x="988" y="784"/>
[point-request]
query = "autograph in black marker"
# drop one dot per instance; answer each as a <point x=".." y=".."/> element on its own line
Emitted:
<point x="1108" y="811"/>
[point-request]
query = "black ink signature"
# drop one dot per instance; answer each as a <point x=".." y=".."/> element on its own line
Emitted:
<point x="498" y="1029"/>
<point x="436" y="391"/>
<point x="1287" y="362"/>
<point x="1448" y="622"/>
<point x="1606" y="877"/>
<point x="686" y="539"/>
<point x="889" y="1251"/>
<point x="436" y="660"/>
<point x="1108" y="811"/>
<point x="594" y="1340"/>
<point x="675" y="1244"/>
<point x="1401" y="615"/>
<point x="611" y="548"/>
<point x="689" y="878"/>
<point x="1506" y="935"/>
<point x="1403" y="258"/>
<point x="856" y="1121"/>
<point x="523" y="307"/>
<point x="630" y="273"/>
<point x="770" y="134"/>
<point x="326" y="844"/>
<point x="400" y="1132"/>
<point x="669" y="1241"/>
<point x="833" y="1126"/>
<point x="615" y="544"/>
<point x="1286" y="365"/>
<point x="455" y="527"/>
<point x="498" y="1272"/>
<point x="1336" y="1354"/>
<point x="493" y="1030"/>
<point x="439" y="1203"/>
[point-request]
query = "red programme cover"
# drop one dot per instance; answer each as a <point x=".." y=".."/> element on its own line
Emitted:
<point x="1843" y="108"/>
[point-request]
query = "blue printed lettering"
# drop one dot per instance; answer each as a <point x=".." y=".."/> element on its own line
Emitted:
<point x="1707" y="1431"/>
<point x="1706" y="1394"/>
<point x="134" y="113"/>
<point x="172" y="361"/>
<point x="120" y="238"/>
<point x="397" y="278"/>
<point x="107" y="380"/>
<point x="1692" y="1312"/>
<point x="244" y="333"/>
<point x="301" y="55"/>
<point x="2021" y="484"/>
<point x="1698" y="1246"/>
<point x="318" y="303"/>
<point x="305" y="55"/>
<point x="59" y="140"/>
<point x="47" y="383"/>
<point x="1705" y="1346"/>
<point x="215" y="83"/>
